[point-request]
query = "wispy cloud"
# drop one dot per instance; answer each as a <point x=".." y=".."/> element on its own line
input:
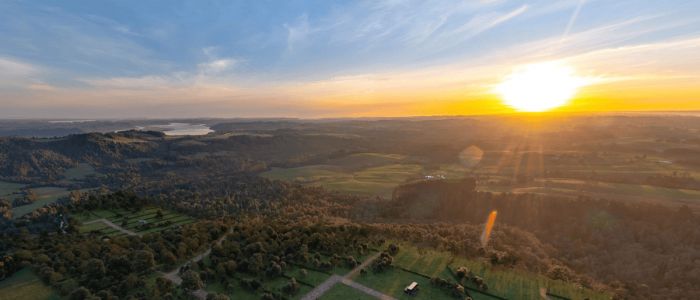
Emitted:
<point x="18" y="74"/>
<point x="337" y="57"/>
<point x="297" y="33"/>
<point x="216" y="66"/>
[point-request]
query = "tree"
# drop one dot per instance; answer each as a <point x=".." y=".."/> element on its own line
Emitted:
<point x="168" y="258"/>
<point x="382" y="262"/>
<point x="164" y="286"/>
<point x="191" y="281"/>
<point x="95" y="268"/>
<point x="274" y="270"/>
<point x="292" y="286"/>
<point x="393" y="249"/>
<point x="351" y="261"/>
<point x="217" y="296"/>
<point x="143" y="260"/>
<point x="74" y="197"/>
<point x="251" y="284"/>
<point x="463" y="272"/>
<point x="221" y="270"/>
<point x="230" y="266"/>
<point x="80" y="293"/>
<point x="30" y="196"/>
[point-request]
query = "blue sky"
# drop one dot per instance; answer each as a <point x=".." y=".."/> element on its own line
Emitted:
<point x="278" y="58"/>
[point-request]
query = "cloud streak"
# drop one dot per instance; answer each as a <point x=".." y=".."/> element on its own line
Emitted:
<point x="336" y="58"/>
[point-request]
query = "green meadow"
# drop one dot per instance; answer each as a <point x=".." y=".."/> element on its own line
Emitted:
<point x="362" y="173"/>
<point x="343" y="292"/>
<point x="25" y="285"/>
<point x="504" y="282"/>
<point x="79" y="172"/>
<point x="45" y="195"/>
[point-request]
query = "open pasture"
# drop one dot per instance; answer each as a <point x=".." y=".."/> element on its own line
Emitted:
<point x="45" y="195"/>
<point x="392" y="282"/>
<point x="25" y="285"/>
<point x="503" y="282"/>
<point x="79" y="172"/>
<point x="343" y="292"/>
<point x="361" y="173"/>
<point x="10" y="190"/>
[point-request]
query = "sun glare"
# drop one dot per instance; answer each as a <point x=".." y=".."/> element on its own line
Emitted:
<point x="539" y="87"/>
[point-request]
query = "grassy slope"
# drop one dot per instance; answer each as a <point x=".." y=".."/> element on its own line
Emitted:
<point x="508" y="283"/>
<point x="25" y="285"/>
<point x="344" y="292"/>
<point x="8" y="188"/>
<point x="79" y="172"/>
<point x="45" y="195"/>
<point x="362" y="173"/>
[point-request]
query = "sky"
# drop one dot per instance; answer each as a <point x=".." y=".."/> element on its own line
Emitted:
<point x="328" y="58"/>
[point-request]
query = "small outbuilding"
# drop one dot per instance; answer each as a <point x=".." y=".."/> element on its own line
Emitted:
<point x="411" y="289"/>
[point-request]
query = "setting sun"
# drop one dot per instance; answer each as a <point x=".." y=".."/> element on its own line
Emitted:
<point x="539" y="87"/>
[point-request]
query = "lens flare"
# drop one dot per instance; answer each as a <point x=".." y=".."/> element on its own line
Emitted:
<point x="487" y="228"/>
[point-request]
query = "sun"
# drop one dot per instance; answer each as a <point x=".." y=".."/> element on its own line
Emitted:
<point x="539" y="87"/>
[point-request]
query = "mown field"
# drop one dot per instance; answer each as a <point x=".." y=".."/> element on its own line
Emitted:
<point x="45" y="195"/>
<point x="79" y="172"/>
<point x="142" y="221"/>
<point x="618" y="191"/>
<point x="506" y="283"/>
<point x="25" y="285"/>
<point x="343" y="292"/>
<point x="361" y="173"/>
<point x="393" y="280"/>
<point x="9" y="190"/>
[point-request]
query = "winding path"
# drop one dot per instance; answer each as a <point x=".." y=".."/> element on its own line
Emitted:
<point x="322" y="288"/>
<point x="110" y="224"/>
<point x="174" y="275"/>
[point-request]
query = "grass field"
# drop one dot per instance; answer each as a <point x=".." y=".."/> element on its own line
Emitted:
<point x="614" y="191"/>
<point x="79" y="172"/>
<point x="8" y="190"/>
<point x="393" y="280"/>
<point x="238" y="291"/>
<point x="361" y="173"/>
<point x="312" y="277"/>
<point x="25" y="285"/>
<point x="133" y="220"/>
<point x="272" y="285"/>
<point x="344" y="292"/>
<point x="45" y="195"/>
<point x="507" y="283"/>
